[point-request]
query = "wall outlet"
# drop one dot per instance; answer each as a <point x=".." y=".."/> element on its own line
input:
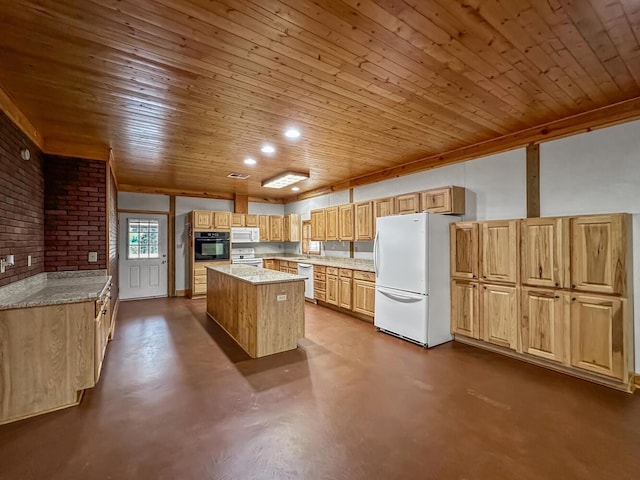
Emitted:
<point x="281" y="298"/>
<point x="93" y="256"/>
<point x="28" y="260"/>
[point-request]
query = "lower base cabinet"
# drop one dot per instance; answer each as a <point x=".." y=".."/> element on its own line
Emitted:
<point x="499" y="305"/>
<point x="364" y="295"/>
<point x="332" y="289"/>
<point x="544" y="324"/>
<point x="465" y="315"/>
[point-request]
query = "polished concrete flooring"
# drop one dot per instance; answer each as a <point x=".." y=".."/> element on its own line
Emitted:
<point x="179" y="400"/>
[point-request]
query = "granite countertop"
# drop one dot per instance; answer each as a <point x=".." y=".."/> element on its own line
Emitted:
<point x="54" y="288"/>
<point x="352" y="263"/>
<point x="256" y="276"/>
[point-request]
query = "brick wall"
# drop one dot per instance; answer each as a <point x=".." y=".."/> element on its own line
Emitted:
<point x="75" y="213"/>
<point x="21" y="201"/>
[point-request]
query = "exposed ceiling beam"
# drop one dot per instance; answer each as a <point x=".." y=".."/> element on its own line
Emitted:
<point x="189" y="193"/>
<point x="8" y="106"/>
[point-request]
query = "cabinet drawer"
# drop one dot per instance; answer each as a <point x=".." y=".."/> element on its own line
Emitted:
<point x="319" y="285"/>
<point x="320" y="295"/>
<point x="318" y="275"/>
<point x="360" y="275"/>
<point x="332" y="270"/>
<point x="199" y="271"/>
<point x="345" y="272"/>
<point x="200" y="279"/>
<point x="199" y="289"/>
<point x="319" y="269"/>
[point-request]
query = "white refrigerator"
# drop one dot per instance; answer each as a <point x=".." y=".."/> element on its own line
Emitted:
<point x="411" y="259"/>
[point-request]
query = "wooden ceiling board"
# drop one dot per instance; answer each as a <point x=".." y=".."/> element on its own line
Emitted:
<point x="181" y="91"/>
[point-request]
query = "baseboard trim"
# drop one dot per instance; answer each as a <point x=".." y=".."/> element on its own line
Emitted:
<point x="114" y="316"/>
<point x="359" y="316"/>
<point x="181" y="293"/>
<point x="624" y="387"/>
<point x="636" y="380"/>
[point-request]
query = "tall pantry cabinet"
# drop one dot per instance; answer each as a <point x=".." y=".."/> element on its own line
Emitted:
<point x="552" y="291"/>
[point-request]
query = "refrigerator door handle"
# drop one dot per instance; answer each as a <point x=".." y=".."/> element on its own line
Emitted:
<point x="375" y="254"/>
<point x="405" y="298"/>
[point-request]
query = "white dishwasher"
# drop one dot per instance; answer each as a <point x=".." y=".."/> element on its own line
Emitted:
<point x="306" y="270"/>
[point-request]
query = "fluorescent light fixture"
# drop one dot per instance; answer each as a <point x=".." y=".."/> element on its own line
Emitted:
<point x="268" y="149"/>
<point x="292" y="133"/>
<point x="285" y="179"/>
<point x="295" y="189"/>
<point x="249" y="161"/>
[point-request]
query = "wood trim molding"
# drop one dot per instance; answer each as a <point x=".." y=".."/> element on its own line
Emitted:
<point x="112" y="166"/>
<point x="181" y="293"/>
<point x="189" y="193"/>
<point x="85" y="151"/>
<point x="240" y="203"/>
<point x="602" y="117"/>
<point x="533" y="180"/>
<point x="8" y="106"/>
<point x="172" y="246"/>
<point x="146" y="212"/>
<point x="636" y="380"/>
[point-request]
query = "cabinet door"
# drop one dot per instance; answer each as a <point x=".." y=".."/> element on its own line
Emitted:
<point x="544" y="252"/>
<point x="292" y="227"/>
<point x="275" y="228"/>
<point x="318" y="230"/>
<point x="465" y="318"/>
<point x="544" y="330"/>
<point x="346" y="222"/>
<point x="331" y="223"/>
<point x="364" y="221"/>
<point x="598" y="335"/>
<point x="408" y="203"/>
<point x="499" y="315"/>
<point x="263" y="224"/>
<point x="598" y="253"/>
<point x="464" y="250"/>
<point x="202" y="220"/>
<point x="499" y="251"/>
<point x="221" y="220"/>
<point x="237" y="219"/>
<point x="364" y="294"/>
<point x="436" y="201"/>
<point x="332" y="289"/>
<point x="250" y="220"/>
<point x="383" y="207"/>
<point x="344" y="294"/>
<point x="286" y="228"/>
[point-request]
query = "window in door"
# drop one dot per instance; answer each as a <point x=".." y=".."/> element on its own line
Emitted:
<point x="143" y="239"/>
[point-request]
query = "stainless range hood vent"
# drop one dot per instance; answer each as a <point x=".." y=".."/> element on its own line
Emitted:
<point x="241" y="176"/>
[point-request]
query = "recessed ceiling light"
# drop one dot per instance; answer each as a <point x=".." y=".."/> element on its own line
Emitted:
<point x="266" y="148"/>
<point x="292" y="133"/>
<point x="249" y="161"/>
<point x="295" y="189"/>
<point x="285" y="179"/>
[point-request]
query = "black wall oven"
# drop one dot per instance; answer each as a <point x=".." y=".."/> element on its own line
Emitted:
<point x="210" y="246"/>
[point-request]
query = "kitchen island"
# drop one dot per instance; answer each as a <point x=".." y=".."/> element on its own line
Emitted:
<point x="262" y="310"/>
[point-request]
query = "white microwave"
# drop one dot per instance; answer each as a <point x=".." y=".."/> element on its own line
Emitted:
<point x="245" y="235"/>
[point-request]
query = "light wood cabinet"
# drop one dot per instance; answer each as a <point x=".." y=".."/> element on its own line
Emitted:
<point x="407" y="203"/>
<point x="444" y="200"/>
<point x="465" y="316"/>
<point x="544" y="252"/>
<point x="320" y="283"/>
<point x="275" y="228"/>
<point x="544" y="324"/>
<point x="598" y="335"/>
<point x="463" y="237"/>
<point x="598" y="253"/>
<point x="499" y="260"/>
<point x="499" y="304"/>
<point x="202" y="220"/>
<point x="221" y="220"/>
<point x="291" y="228"/>
<point x="271" y="264"/>
<point x="383" y="207"/>
<point x="250" y="220"/>
<point x="263" y="224"/>
<point x="318" y="226"/>
<point x="331" y="223"/>
<point x="333" y="291"/>
<point x="346" y="221"/>
<point x="237" y="219"/>
<point x="364" y="221"/>
<point x="364" y="292"/>
<point x="344" y="294"/>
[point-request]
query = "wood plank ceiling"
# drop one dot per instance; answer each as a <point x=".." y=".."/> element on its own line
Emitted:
<point x="183" y="91"/>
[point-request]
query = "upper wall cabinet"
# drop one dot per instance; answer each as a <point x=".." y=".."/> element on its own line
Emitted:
<point x="331" y="223"/>
<point x="275" y="228"/>
<point x="250" y="220"/>
<point x="444" y="200"/>
<point x="499" y="251"/>
<point x="221" y="220"/>
<point x="263" y="224"/>
<point x="346" y="221"/>
<point x="364" y="221"/>
<point x="464" y="250"/>
<point x="237" y="219"/>
<point x="598" y="253"/>
<point x="408" y="203"/>
<point x="383" y="207"/>
<point x="318" y="229"/>
<point x="202" y="220"/>
<point x="545" y="252"/>
<point x="291" y="228"/>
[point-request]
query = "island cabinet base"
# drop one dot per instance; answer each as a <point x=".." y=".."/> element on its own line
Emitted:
<point x="263" y="319"/>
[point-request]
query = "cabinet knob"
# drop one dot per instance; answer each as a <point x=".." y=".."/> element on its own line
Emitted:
<point x="573" y="299"/>
<point x="473" y="276"/>
<point x="557" y="284"/>
<point x="573" y="286"/>
<point x="484" y="276"/>
<point x="557" y="296"/>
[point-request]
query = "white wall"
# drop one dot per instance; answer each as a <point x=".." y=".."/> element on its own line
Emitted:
<point x="143" y="201"/>
<point x="596" y="172"/>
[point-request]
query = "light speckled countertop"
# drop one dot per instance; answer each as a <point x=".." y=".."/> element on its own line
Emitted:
<point x="54" y="288"/>
<point x="256" y="276"/>
<point x="353" y="263"/>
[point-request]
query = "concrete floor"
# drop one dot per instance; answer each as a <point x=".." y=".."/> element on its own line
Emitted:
<point x="179" y="400"/>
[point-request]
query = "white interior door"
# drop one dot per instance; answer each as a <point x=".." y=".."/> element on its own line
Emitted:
<point x="143" y="255"/>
